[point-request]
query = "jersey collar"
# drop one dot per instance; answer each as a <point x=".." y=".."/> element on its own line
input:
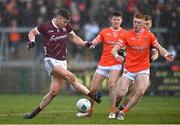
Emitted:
<point x="116" y="30"/>
<point x="54" y="23"/>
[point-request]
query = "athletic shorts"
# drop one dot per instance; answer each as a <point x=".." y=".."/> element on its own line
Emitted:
<point x="104" y="70"/>
<point x="50" y="63"/>
<point x="133" y="75"/>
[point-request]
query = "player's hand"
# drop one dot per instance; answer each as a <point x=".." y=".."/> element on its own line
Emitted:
<point x="154" y="55"/>
<point x="30" y="44"/>
<point x="119" y="58"/>
<point x="169" y="57"/>
<point x="89" y="44"/>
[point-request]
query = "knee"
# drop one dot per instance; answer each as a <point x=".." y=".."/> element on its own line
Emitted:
<point x="140" y="93"/>
<point x="53" y="93"/>
<point x="70" y="77"/>
<point x="121" y="92"/>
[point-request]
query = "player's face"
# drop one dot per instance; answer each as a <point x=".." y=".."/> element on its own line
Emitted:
<point x="61" y="21"/>
<point x="147" y="24"/>
<point x="137" y="24"/>
<point x="116" y="21"/>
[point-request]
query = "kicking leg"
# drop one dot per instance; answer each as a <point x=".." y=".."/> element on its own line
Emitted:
<point x="70" y="77"/>
<point x="95" y="84"/>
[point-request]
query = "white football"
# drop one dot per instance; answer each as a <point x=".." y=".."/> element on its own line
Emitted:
<point x="83" y="105"/>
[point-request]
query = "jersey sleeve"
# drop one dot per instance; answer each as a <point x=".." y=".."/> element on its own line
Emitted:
<point x="99" y="38"/>
<point x="40" y="29"/>
<point x="69" y="28"/>
<point x="154" y="41"/>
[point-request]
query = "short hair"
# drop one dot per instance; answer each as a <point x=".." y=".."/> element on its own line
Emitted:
<point x="117" y="13"/>
<point x="139" y="16"/>
<point x="64" y="13"/>
<point x="147" y="17"/>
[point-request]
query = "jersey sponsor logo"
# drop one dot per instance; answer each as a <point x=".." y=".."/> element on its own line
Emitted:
<point x="133" y="39"/>
<point x="139" y="47"/>
<point x="55" y="38"/>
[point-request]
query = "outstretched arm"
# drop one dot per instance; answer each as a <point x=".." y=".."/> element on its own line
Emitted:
<point x="163" y="52"/>
<point x="76" y="39"/>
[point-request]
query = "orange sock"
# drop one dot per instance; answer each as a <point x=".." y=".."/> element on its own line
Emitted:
<point x="91" y="109"/>
<point x="113" y="109"/>
<point x="125" y="110"/>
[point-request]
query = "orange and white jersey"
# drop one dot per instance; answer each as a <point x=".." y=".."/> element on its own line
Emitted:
<point x="109" y="38"/>
<point x="137" y="49"/>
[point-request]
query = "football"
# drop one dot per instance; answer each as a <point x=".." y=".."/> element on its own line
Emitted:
<point x="83" y="105"/>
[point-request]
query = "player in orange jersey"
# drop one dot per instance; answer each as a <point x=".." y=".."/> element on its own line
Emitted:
<point x="108" y="66"/>
<point x="154" y="56"/>
<point x="138" y="42"/>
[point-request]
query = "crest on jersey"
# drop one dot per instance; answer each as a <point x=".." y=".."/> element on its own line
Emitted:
<point x="146" y="38"/>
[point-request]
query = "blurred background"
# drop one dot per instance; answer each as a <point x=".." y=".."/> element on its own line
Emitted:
<point x="22" y="72"/>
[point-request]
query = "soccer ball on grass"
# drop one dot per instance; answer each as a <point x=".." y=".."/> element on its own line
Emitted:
<point x="83" y="105"/>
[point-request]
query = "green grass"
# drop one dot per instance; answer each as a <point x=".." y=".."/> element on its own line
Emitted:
<point x="62" y="110"/>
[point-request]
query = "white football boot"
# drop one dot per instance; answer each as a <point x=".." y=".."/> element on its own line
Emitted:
<point x="120" y="115"/>
<point x="86" y="114"/>
<point x="112" y="115"/>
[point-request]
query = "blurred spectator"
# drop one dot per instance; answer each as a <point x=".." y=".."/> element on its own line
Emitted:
<point x="90" y="30"/>
<point x="172" y="50"/>
<point x="14" y="38"/>
<point x="28" y="13"/>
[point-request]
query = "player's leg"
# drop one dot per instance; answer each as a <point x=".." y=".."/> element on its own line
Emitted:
<point x="141" y="81"/>
<point x="95" y="85"/>
<point x="56" y="86"/>
<point x="132" y="90"/>
<point x="70" y="77"/>
<point x="113" y="78"/>
<point x="122" y="89"/>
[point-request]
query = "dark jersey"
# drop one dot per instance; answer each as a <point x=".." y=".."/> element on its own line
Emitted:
<point x="55" y="39"/>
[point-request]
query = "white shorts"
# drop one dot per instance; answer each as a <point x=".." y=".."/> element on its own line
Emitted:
<point x="104" y="70"/>
<point x="50" y="63"/>
<point x="133" y="75"/>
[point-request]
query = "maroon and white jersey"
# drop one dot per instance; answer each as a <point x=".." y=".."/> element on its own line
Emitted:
<point x="55" y="39"/>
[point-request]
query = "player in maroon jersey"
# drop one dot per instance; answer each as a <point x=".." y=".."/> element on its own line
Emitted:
<point x="55" y="34"/>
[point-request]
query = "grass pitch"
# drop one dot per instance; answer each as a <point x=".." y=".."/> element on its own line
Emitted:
<point x="62" y="110"/>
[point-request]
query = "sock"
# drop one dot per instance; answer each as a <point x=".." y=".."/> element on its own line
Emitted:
<point x="121" y="107"/>
<point x="125" y="110"/>
<point x="113" y="109"/>
<point x="91" y="94"/>
<point x="91" y="110"/>
<point x="36" y="111"/>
